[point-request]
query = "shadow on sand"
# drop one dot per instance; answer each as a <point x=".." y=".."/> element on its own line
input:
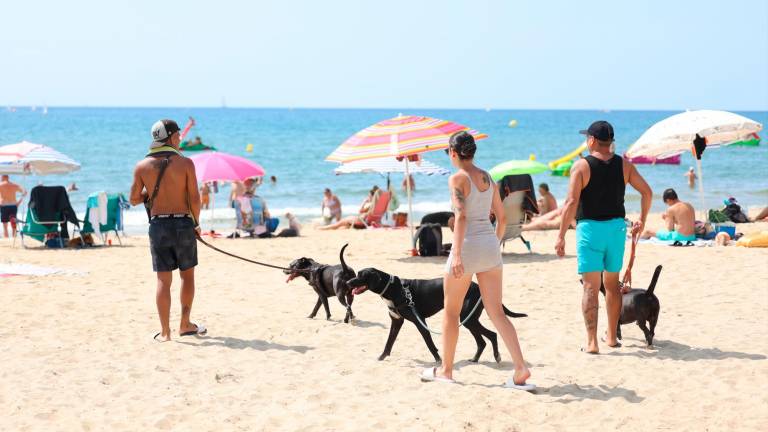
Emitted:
<point x="668" y="350"/>
<point x="508" y="257"/>
<point x="568" y="393"/>
<point x="239" y="344"/>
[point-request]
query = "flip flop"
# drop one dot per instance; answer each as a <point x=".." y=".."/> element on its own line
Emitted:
<point x="199" y="331"/>
<point x="510" y="384"/>
<point x="618" y="344"/>
<point x="428" y="375"/>
<point x="588" y="352"/>
<point x="154" y="338"/>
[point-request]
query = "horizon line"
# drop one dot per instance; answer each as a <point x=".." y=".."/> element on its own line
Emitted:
<point x="290" y="108"/>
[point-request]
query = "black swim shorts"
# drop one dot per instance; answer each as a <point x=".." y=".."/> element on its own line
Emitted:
<point x="7" y="212"/>
<point x="173" y="244"/>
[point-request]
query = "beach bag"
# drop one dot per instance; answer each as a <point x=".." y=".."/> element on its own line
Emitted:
<point x="734" y="213"/>
<point x="429" y="240"/>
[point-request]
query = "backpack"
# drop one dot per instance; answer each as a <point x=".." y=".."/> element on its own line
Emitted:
<point x="429" y="239"/>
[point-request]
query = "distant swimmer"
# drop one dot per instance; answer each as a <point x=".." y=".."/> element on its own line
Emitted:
<point x="691" y="176"/>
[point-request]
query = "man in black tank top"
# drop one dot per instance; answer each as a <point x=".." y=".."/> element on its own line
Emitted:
<point x="596" y="199"/>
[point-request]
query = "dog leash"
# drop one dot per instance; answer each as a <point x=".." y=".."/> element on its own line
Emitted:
<point x="412" y="305"/>
<point x="627" y="280"/>
<point x="249" y="260"/>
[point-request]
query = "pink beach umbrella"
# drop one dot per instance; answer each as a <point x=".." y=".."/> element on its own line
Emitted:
<point x="217" y="166"/>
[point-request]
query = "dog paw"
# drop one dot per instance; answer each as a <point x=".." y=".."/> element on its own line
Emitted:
<point x="383" y="356"/>
<point x="497" y="357"/>
<point x="474" y="359"/>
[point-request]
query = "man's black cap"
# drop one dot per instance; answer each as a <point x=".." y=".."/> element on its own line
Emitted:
<point x="601" y="129"/>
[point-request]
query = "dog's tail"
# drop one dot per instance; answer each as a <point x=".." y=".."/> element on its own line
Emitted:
<point x="655" y="279"/>
<point x="344" y="266"/>
<point x="509" y="313"/>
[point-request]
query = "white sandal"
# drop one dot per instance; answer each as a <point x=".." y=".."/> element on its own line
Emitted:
<point x="510" y="384"/>
<point x="430" y="375"/>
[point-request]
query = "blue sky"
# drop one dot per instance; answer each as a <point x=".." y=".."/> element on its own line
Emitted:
<point x="443" y="54"/>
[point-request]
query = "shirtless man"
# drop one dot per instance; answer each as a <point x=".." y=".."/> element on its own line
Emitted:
<point x="547" y="202"/>
<point x="680" y="218"/>
<point x="9" y="205"/>
<point x="173" y="225"/>
<point x="691" y="176"/>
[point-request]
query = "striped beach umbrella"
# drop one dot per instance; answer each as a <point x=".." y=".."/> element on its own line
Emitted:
<point x="31" y="158"/>
<point x="399" y="136"/>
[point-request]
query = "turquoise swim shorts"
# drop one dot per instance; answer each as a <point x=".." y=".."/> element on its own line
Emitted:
<point x="674" y="236"/>
<point x="600" y="245"/>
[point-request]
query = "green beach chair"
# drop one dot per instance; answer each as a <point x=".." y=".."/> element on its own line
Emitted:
<point x="116" y="204"/>
<point x="54" y="202"/>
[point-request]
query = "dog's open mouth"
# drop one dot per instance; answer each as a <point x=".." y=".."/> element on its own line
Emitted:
<point x="291" y="276"/>
<point x="359" y="290"/>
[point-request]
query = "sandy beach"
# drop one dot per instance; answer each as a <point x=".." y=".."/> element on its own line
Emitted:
<point x="78" y="353"/>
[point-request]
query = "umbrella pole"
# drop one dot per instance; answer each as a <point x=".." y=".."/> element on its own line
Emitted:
<point x="408" y="192"/>
<point x="213" y="207"/>
<point x="701" y="190"/>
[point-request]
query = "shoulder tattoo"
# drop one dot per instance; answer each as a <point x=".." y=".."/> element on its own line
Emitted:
<point x="486" y="179"/>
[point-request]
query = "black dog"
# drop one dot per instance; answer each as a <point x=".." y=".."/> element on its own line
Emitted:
<point x="426" y="299"/>
<point x="327" y="281"/>
<point x="640" y="306"/>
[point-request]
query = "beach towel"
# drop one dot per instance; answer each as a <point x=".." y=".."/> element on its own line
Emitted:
<point x="698" y="242"/>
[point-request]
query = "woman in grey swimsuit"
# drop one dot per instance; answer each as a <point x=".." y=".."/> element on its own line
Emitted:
<point x="475" y="251"/>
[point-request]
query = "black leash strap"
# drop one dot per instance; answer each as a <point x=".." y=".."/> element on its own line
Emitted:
<point x="246" y="259"/>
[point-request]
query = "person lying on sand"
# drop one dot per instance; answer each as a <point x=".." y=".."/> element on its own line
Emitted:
<point x="680" y="218"/>
<point x="350" y="221"/>
<point x="548" y="221"/>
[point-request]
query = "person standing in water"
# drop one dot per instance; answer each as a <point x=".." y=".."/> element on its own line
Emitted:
<point x="691" y="176"/>
<point x="596" y="199"/>
<point x="173" y="203"/>
<point x="476" y="251"/>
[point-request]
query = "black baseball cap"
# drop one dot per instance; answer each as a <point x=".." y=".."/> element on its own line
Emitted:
<point x="601" y="129"/>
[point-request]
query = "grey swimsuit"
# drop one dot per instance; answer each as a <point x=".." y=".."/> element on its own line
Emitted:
<point x="480" y="250"/>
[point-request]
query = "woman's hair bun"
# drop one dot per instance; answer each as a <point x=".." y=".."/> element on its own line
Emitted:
<point x="463" y="143"/>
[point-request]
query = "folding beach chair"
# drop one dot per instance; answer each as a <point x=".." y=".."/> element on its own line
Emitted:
<point x="376" y="212"/>
<point x="104" y="214"/>
<point x="48" y="213"/>
<point x="519" y="201"/>
<point x="256" y="223"/>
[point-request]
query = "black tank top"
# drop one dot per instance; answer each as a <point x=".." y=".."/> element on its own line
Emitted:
<point x="603" y="198"/>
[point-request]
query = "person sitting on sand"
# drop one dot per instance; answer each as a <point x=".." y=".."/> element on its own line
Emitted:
<point x="350" y="221"/>
<point x="547" y="202"/>
<point x="691" y="176"/>
<point x="205" y="196"/>
<point x="680" y="218"/>
<point x="333" y="204"/>
<point x="9" y="205"/>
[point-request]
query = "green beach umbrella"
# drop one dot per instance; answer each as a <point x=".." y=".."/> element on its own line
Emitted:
<point x="517" y="167"/>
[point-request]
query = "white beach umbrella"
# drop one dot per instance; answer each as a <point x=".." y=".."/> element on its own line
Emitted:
<point x="693" y="131"/>
<point x="388" y="165"/>
<point x="674" y="135"/>
<point x="29" y="158"/>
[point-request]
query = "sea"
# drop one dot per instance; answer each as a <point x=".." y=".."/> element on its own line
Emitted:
<point x="292" y="144"/>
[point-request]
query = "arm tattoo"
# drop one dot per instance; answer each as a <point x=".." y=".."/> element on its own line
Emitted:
<point x="458" y="194"/>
